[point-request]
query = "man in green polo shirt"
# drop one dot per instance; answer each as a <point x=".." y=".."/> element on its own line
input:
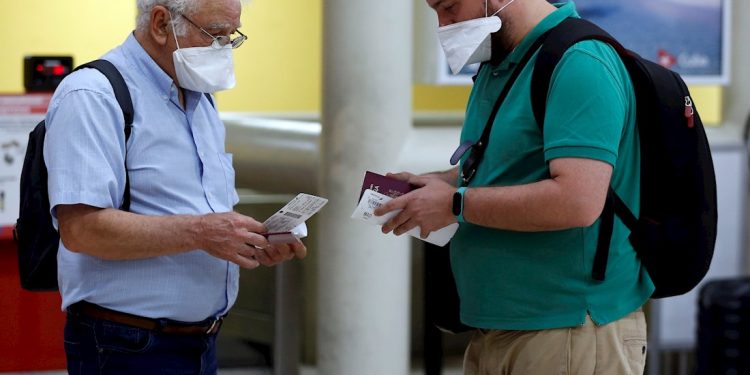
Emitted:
<point x="529" y="219"/>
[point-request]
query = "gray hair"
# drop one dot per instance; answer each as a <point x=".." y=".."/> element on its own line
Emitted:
<point x="175" y="7"/>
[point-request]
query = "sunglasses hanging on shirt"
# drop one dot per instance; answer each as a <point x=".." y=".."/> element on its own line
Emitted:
<point x="476" y="149"/>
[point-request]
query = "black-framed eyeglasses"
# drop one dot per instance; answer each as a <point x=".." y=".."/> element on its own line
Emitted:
<point x="221" y="40"/>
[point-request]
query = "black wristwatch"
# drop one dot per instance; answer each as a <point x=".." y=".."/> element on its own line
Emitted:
<point x="458" y="204"/>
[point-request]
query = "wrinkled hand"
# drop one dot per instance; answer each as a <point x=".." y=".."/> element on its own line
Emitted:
<point x="277" y="253"/>
<point x="232" y="237"/>
<point x="428" y="207"/>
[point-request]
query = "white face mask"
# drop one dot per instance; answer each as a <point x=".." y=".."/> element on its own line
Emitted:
<point x="468" y="42"/>
<point x="204" y="69"/>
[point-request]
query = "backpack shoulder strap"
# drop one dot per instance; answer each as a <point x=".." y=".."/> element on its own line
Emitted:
<point x="559" y="40"/>
<point x="122" y="94"/>
<point x="481" y="145"/>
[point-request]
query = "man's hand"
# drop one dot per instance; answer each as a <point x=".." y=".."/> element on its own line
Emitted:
<point x="233" y="237"/>
<point x="402" y="176"/>
<point x="428" y="207"/>
<point x="448" y="176"/>
<point x="277" y="253"/>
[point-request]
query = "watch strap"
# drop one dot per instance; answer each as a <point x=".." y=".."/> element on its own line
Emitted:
<point x="459" y="202"/>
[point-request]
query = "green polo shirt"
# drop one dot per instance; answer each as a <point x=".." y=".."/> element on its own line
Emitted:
<point x="542" y="280"/>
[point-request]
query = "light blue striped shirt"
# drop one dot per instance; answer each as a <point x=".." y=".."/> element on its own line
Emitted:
<point x="177" y="165"/>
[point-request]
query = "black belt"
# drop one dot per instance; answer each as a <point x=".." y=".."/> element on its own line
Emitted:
<point x="206" y="327"/>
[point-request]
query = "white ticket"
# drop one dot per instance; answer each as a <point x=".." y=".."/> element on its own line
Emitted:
<point x="296" y="212"/>
<point x="371" y="200"/>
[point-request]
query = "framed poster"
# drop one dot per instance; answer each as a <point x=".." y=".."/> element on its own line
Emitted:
<point x="18" y="116"/>
<point x="690" y="37"/>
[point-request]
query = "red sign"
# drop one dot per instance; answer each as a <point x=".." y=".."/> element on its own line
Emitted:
<point x="28" y="104"/>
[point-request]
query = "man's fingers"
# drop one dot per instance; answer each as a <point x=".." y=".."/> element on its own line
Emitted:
<point x="255" y="239"/>
<point x="248" y="251"/>
<point x="394" y="223"/>
<point x="405" y="227"/>
<point x="389" y="206"/>
<point x="252" y="225"/>
<point x="384" y="209"/>
<point x="299" y="249"/>
<point x="264" y="259"/>
<point x="245" y="262"/>
<point x="403" y="176"/>
<point x="272" y="251"/>
<point x="420" y="180"/>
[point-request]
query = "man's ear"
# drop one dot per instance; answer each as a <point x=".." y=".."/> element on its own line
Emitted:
<point x="159" y="27"/>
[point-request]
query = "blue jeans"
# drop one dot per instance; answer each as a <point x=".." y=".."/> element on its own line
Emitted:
<point x="94" y="346"/>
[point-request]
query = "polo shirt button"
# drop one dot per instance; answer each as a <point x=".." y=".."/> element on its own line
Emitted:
<point x="495" y="74"/>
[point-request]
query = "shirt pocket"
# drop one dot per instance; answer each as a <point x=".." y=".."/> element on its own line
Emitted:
<point x="229" y="175"/>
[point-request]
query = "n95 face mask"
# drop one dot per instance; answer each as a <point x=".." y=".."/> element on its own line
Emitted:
<point x="468" y="42"/>
<point x="204" y="69"/>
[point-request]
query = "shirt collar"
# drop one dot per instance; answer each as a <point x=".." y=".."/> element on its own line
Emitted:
<point x="141" y="60"/>
<point x="564" y="10"/>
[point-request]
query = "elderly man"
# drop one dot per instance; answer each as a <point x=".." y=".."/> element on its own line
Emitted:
<point x="529" y="215"/>
<point x="146" y="289"/>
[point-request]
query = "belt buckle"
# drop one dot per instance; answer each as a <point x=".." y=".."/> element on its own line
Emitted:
<point x="215" y="324"/>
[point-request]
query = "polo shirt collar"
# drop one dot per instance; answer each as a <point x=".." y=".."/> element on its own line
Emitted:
<point x="564" y="10"/>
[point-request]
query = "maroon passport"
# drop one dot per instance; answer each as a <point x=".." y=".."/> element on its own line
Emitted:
<point x="385" y="185"/>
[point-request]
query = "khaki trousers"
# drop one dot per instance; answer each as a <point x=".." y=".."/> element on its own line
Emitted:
<point x="618" y="348"/>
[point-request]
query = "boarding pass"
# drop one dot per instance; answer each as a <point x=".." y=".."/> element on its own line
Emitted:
<point x="295" y="213"/>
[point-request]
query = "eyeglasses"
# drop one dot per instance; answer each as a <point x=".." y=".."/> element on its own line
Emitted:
<point x="221" y="40"/>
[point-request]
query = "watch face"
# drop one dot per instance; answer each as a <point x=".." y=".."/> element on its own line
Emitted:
<point x="457" y="203"/>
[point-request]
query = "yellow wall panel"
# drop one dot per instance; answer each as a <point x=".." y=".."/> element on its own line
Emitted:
<point x="440" y="98"/>
<point x="278" y="68"/>
<point x="84" y="29"/>
<point x="708" y="100"/>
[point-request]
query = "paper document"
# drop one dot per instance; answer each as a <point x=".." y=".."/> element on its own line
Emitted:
<point x="289" y="222"/>
<point x="371" y="199"/>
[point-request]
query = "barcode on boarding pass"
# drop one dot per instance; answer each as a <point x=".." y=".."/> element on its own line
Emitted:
<point x="293" y="215"/>
<point x="374" y="202"/>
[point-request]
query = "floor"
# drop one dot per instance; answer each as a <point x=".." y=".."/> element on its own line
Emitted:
<point x="452" y="367"/>
<point x="452" y="370"/>
<point x="240" y="358"/>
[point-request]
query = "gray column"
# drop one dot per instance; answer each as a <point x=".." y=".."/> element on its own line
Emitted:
<point x="363" y="276"/>
<point x="737" y="95"/>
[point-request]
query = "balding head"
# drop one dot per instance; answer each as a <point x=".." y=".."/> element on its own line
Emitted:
<point x="178" y="6"/>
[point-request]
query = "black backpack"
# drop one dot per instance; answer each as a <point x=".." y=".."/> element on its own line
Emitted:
<point x="36" y="238"/>
<point x="675" y="233"/>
